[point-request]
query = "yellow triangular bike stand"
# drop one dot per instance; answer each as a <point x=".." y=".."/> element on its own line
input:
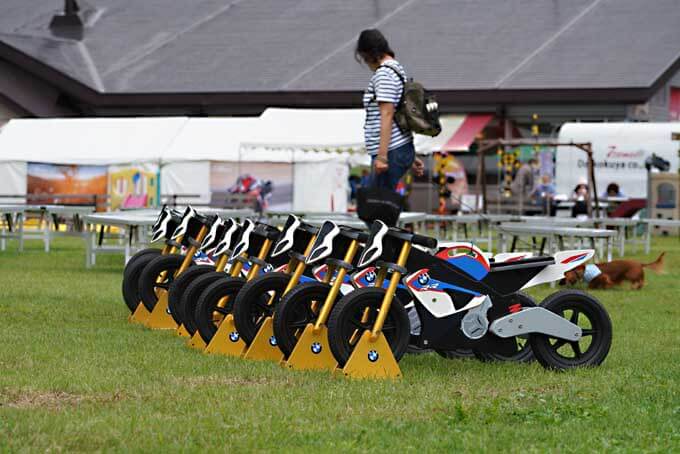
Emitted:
<point x="226" y="340"/>
<point x="264" y="346"/>
<point x="160" y="316"/>
<point x="196" y="342"/>
<point x="140" y="315"/>
<point x="372" y="359"/>
<point x="312" y="351"/>
<point x="182" y="331"/>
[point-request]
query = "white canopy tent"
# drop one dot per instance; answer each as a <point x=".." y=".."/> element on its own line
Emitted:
<point x="319" y="143"/>
<point x="324" y="143"/>
<point x="96" y="141"/>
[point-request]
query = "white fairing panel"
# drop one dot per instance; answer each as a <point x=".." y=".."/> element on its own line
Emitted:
<point x="242" y="246"/>
<point x="432" y="296"/>
<point x="511" y="256"/>
<point x="182" y="228"/>
<point x="288" y="236"/>
<point x="564" y="261"/>
<point x="374" y="246"/>
<point x="160" y="228"/>
<point x="227" y="238"/>
<point x="323" y="246"/>
<point x="211" y="237"/>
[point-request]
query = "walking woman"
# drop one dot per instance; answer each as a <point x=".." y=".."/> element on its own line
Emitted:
<point x="392" y="152"/>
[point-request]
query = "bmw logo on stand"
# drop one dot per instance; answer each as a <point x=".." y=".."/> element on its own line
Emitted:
<point x="272" y="341"/>
<point x="373" y="356"/>
<point x="233" y="336"/>
<point x="316" y="348"/>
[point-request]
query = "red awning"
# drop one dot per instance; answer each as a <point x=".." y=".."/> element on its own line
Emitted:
<point x="458" y="132"/>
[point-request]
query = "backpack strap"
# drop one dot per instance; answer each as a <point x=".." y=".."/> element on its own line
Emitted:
<point x="401" y="78"/>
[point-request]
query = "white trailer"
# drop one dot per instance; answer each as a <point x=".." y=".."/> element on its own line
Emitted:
<point x="619" y="153"/>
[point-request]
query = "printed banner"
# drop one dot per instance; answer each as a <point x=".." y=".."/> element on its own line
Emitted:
<point x="268" y="184"/>
<point x="56" y="181"/>
<point x="133" y="186"/>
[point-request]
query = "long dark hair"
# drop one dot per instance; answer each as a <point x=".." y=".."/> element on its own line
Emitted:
<point x="372" y="47"/>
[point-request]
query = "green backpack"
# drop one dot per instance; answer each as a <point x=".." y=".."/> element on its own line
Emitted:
<point x="418" y="110"/>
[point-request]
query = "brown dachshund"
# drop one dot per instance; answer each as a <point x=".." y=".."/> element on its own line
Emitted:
<point x="607" y="275"/>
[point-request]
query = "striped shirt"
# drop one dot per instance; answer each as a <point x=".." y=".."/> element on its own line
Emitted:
<point x="384" y="86"/>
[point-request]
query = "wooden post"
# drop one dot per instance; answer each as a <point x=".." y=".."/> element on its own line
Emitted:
<point x="588" y="148"/>
<point x="482" y="166"/>
<point x="478" y="182"/>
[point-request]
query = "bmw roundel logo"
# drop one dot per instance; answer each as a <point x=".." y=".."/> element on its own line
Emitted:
<point x="233" y="336"/>
<point x="373" y="356"/>
<point x="423" y="279"/>
<point x="268" y="269"/>
<point x="370" y="277"/>
<point x="272" y="341"/>
<point x="316" y="348"/>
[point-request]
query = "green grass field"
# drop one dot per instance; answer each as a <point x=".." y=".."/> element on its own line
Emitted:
<point x="75" y="376"/>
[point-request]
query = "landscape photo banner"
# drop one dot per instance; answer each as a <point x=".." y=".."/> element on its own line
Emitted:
<point x="54" y="181"/>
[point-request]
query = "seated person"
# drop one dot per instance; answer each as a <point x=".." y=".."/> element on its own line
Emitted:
<point x="581" y="198"/>
<point x="544" y="194"/>
<point x="613" y="190"/>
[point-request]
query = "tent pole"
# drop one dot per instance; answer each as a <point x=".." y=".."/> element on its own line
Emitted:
<point x="158" y="184"/>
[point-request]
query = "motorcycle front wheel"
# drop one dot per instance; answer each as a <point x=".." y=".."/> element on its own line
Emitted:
<point x="356" y="312"/>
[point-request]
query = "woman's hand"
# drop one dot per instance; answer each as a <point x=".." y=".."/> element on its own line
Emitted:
<point x="380" y="165"/>
<point x="418" y="167"/>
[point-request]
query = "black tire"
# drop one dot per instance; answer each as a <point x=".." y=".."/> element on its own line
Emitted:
<point x="459" y="353"/>
<point x="346" y="316"/>
<point x="294" y="312"/>
<point x="594" y="345"/>
<point x="132" y="273"/>
<point x="147" y="281"/>
<point x="252" y="306"/>
<point x="179" y="286"/>
<point x="524" y="352"/>
<point x="139" y="254"/>
<point x="205" y="316"/>
<point x="191" y="296"/>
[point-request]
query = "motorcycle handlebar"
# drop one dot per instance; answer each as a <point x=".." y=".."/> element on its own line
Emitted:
<point x="424" y="241"/>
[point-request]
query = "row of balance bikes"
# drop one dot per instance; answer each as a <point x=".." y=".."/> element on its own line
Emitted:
<point x="332" y="297"/>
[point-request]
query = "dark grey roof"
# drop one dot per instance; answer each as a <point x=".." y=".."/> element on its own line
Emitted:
<point x="175" y="46"/>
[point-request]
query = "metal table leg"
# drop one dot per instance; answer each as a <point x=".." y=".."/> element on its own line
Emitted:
<point x="648" y="238"/>
<point x="20" y="230"/>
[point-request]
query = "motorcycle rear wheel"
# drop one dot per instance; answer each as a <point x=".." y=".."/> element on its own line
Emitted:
<point x="524" y="353"/>
<point x="585" y="311"/>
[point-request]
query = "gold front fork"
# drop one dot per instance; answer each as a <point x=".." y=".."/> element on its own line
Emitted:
<point x="335" y="288"/>
<point x="264" y="251"/>
<point x="391" y="289"/>
<point x="174" y="249"/>
<point x="192" y="250"/>
<point x="221" y="263"/>
<point x="300" y="267"/>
